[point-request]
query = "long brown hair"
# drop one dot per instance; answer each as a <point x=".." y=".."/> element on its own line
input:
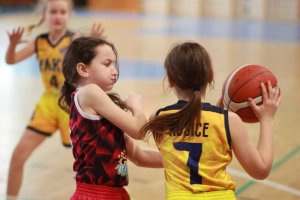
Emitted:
<point x="82" y="50"/>
<point x="188" y="66"/>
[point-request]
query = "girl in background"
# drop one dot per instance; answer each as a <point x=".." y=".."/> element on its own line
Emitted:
<point x="47" y="117"/>
<point x="98" y="120"/>
<point x="196" y="139"/>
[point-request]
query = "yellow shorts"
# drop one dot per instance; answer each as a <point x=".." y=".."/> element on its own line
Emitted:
<point x="214" y="195"/>
<point x="48" y="117"/>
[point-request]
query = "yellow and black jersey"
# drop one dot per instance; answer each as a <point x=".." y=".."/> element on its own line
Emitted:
<point x="198" y="162"/>
<point x="50" y="57"/>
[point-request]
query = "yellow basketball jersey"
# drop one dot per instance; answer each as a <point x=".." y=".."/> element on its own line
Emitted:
<point x="197" y="163"/>
<point x="50" y="59"/>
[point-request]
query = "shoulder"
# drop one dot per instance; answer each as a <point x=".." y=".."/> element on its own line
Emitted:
<point x="233" y="117"/>
<point x="90" y="91"/>
<point x="176" y="106"/>
<point x="236" y="124"/>
<point x="70" y="33"/>
<point x="75" y="35"/>
<point x="91" y="96"/>
<point x="41" y="38"/>
<point x="42" y="35"/>
<point x="153" y="114"/>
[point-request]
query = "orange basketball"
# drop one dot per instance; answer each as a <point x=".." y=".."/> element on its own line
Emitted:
<point x="241" y="84"/>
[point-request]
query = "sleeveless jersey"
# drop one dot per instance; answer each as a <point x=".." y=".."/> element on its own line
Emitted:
<point x="198" y="163"/>
<point x="98" y="148"/>
<point x="50" y="58"/>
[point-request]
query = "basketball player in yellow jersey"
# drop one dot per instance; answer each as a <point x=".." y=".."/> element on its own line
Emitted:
<point x="47" y="116"/>
<point x="196" y="139"/>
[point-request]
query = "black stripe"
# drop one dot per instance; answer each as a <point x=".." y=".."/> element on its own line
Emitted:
<point x="67" y="145"/>
<point x="177" y="106"/>
<point x="228" y="135"/>
<point x="212" y="108"/>
<point x="180" y="104"/>
<point x="46" y="134"/>
<point x="39" y="132"/>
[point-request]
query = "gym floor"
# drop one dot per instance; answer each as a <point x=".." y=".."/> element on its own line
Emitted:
<point x="143" y="41"/>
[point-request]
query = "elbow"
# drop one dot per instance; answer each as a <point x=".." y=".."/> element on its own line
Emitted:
<point x="261" y="174"/>
<point x="9" y="61"/>
<point x="137" y="163"/>
<point x="137" y="137"/>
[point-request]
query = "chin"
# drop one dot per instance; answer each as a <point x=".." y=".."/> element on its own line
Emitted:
<point x="106" y="89"/>
<point x="58" y="28"/>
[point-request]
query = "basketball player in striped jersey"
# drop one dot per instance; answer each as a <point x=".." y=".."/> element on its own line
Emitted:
<point x="102" y="125"/>
<point x="47" y="116"/>
<point x="196" y="139"/>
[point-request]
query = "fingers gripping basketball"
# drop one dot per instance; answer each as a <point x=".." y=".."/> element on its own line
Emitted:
<point x="242" y="84"/>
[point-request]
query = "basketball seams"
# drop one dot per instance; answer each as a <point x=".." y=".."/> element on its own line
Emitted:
<point x="227" y="100"/>
<point x="253" y="77"/>
<point x="235" y="106"/>
<point x="227" y="84"/>
<point x="242" y="86"/>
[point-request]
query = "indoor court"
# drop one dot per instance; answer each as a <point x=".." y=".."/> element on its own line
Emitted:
<point x="235" y="33"/>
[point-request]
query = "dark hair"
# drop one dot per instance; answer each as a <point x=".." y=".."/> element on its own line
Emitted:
<point x="81" y="50"/>
<point x="188" y="66"/>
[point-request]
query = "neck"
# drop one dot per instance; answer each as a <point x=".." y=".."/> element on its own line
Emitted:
<point x="185" y="95"/>
<point x="56" y="35"/>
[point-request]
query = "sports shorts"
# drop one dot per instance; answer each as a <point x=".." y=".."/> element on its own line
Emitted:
<point x="48" y="117"/>
<point x="98" y="192"/>
<point x="213" y="195"/>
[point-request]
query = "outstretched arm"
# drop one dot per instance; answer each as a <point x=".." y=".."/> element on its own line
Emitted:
<point x="256" y="161"/>
<point x="140" y="157"/>
<point x="13" y="56"/>
<point x="94" y="100"/>
<point x="97" y="31"/>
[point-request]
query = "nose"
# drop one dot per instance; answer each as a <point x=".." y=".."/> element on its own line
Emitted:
<point x="114" y="71"/>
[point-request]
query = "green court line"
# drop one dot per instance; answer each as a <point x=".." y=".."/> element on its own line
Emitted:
<point x="277" y="164"/>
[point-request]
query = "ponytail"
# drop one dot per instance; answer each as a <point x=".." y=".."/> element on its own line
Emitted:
<point x="189" y="68"/>
<point x="31" y="27"/>
<point x="64" y="100"/>
<point x="183" y="120"/>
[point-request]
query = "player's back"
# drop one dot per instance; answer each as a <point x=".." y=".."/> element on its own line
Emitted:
<point x="197" y="163"/>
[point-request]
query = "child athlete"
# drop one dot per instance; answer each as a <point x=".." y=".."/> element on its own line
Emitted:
<point x="47" y="116"/>
<point x="196" y="139"/>
<point x="98" y="121"/>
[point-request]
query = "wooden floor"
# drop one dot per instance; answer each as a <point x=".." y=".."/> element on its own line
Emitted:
<point x="142" y="42"/>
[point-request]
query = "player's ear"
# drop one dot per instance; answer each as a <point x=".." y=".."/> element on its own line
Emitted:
<point x="82" y="70"/>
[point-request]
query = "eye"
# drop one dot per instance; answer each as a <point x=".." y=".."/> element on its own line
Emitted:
<point x="63" y="12"/>
<point x="107" y="63"/>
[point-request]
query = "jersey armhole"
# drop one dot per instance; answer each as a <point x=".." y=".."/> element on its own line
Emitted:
<point x="82" y="113"/>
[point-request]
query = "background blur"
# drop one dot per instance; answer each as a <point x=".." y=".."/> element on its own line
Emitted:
<point x="235" y="33"/>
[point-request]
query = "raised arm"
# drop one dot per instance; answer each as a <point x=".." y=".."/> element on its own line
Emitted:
<point x="94" y="100"/>
<point x="13" y="56"/>
<point x="257" y="161"/>
<point x="97" y="31"/>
